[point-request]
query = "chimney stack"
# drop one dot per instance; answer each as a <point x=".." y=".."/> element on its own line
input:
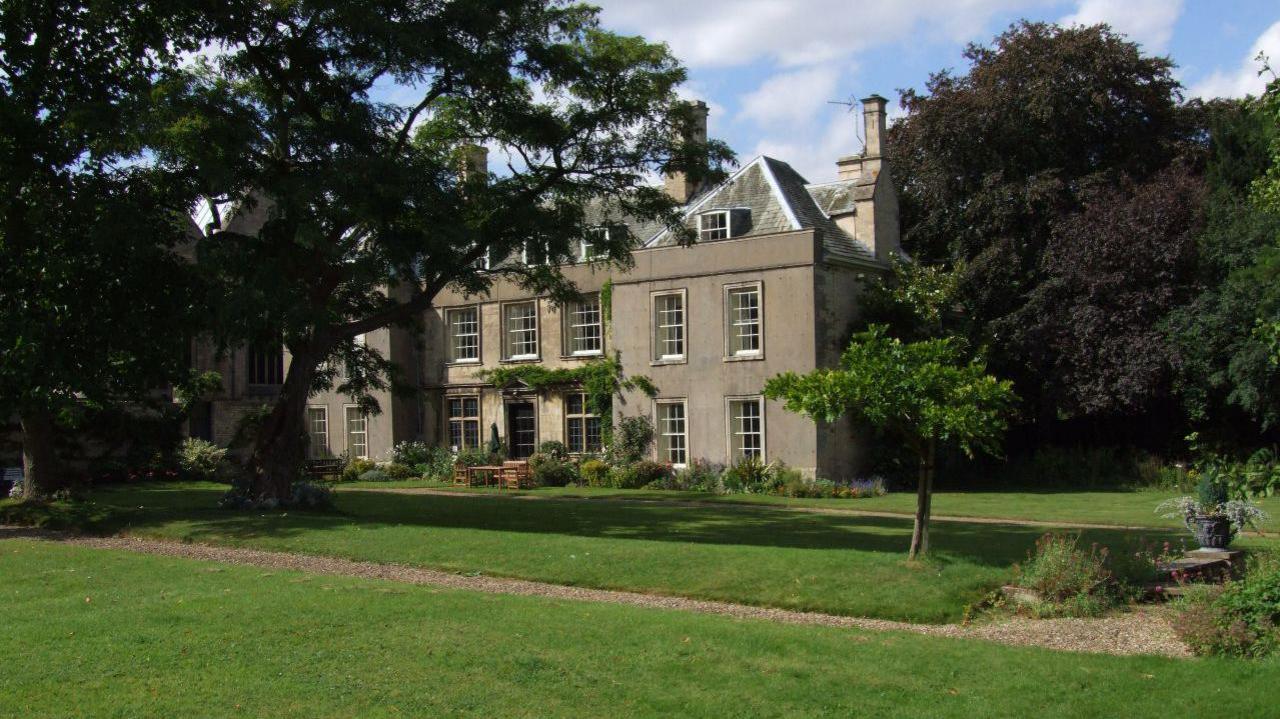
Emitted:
<point x="677" y="184"/>
<point x="873" y="119"/>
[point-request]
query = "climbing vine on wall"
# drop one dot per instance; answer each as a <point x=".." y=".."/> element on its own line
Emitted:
<point x="599" y="379"/>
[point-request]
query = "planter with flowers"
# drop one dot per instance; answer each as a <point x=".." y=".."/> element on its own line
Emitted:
<point x="1211" y="516"/>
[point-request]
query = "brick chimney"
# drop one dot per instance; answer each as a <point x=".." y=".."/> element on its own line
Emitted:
<point x="473" y="162"/>
<point x="677" y="184"/>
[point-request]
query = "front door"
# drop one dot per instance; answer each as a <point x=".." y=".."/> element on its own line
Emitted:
<point x="522" y="430"/>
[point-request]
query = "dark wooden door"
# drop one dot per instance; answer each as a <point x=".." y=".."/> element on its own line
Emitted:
<point x="522" y="430"/>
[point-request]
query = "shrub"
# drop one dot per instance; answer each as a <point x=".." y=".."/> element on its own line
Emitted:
<point x="199" y="459"/>
<point x="630" y="440"/>
<point x="594" y="473"/>
<point x="639" y="474"/>
<point x="748" y="475"/>
<point x="1237" y="619"/>
<point x="700" y="476"/>
<point x="551" y="472"/>
<point x="411" y="453"/>
<point x="555" y="450"/>
<point x="374" y="475"/>
<point x="438" y="464"/>
<point x="396" y="470"/>
<point x="1071" y="581"/>
<point x="870" y="487"/>
<point x="477" y="456"/>
<point x="355" y="468"/>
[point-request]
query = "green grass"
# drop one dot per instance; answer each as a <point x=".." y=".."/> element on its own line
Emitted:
<point x="832" y="563"/>
<point x="1134" y="508"/>
<point x="93" y="633"/>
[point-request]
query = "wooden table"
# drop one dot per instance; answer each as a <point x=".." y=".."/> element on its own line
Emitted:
<point x="492" y="474"/>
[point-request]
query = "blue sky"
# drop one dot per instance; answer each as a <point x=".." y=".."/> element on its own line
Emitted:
<point x="768" y="68"/>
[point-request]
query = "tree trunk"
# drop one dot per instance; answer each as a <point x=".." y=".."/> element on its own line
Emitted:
<point x="43" y="474"/>
<point x="924" y="501"/>
<point x="279" y="448"/>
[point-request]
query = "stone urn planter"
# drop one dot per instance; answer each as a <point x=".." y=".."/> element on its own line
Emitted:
<point x="1213" y="532"/>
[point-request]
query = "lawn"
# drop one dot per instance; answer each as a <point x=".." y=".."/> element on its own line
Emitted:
<point x="1129" y="508"/>
<point x="832" y="563"/>
<point x="95" y="633"/>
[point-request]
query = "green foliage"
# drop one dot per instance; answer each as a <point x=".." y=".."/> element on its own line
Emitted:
<point x="555" y="450"/>
<point x="375" y="475"/>
<point x="594" y="473"/>
<point x="1239" y="619"/>
<point x="1078" y="467"/>
<point x="700" y="475"/>
<point x="600" y="380"/>
<point x="437" y="464"/>
<point x="355" y="468"/>
<point x="1265" y="191"/>
<point x="748" y="476"/>
<point x="630" y="441"/>
<point x="412" y="453"/>
<point x="1078" y="582"/>
<point x="551" y="471"/>
<point x="1210" y="492"/>
<point x="918" y="391"/>
<point x="200" y="459"/>
<point x="917" y="301"/>
<point x="637" y="475"/>
<point x="397" y="471"/>
<point x="476" y="456"/>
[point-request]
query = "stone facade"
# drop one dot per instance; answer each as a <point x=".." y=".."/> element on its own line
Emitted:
<point x="776" y="291"/>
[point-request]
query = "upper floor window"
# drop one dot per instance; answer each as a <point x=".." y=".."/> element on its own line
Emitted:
<point x="673" y="445"/>
<point x="583" y="331"/>
<point x="464" y="334"/>
<point x="464" y="422"/>
<point x="746" y="428"/>
<point x="742" y="328"/>
<point x="534" y="253"/>
<point x="591" y="245"/>
<point x="668" y="326"/>
<point x="520" y="330"/>
<point x="713" y="225"/>
<point x="581" y="428"/>
<point x="265" y="366"/>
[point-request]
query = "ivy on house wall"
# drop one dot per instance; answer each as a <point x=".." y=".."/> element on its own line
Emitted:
<point x="599" y="379"/>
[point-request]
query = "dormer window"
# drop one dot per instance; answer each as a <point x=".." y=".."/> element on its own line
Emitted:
<point x="713" y="225"/>
<point x="534" y="253"/>
<point x="596" y="238"/>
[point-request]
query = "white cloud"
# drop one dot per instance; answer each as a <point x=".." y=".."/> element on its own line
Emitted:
<point x="726" y="33"/>
<point x="814" y="154"/>
<point x="1244" y="80"/>
<point x="790" y="98"/>
<point x="1149" y="22"/>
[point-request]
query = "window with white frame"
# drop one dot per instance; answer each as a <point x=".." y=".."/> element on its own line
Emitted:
<point x="673" y="445"/>
<point x="596" y="238"/>
<point x="464" y="422"/>
<point x="464" y="334"/>
<point x="713" y="225"/>
<point x="534" y="253"/>
<point x="746" y="428"/>
<point x="668" y="326"/>
<point x="583" y="331"/>
<point x="357" y="432"/>
<point x="581" y="428"/>
<point x="742" y="324"/>
<point x="520" y="331"/>
<point x="318" y="432"/>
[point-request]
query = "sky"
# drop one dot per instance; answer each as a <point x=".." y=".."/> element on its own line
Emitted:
<point x="770" y="69"/>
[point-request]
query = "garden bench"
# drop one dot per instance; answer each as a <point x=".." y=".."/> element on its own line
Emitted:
<point x="323" y="468"/>
<point x="10" y="477"/>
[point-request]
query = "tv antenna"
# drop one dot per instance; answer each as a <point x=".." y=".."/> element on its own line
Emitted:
<point x="852" y="104"/>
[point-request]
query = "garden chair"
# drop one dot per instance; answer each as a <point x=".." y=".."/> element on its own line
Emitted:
<point x="461" y="474"/>
<point x="516" y="474"/>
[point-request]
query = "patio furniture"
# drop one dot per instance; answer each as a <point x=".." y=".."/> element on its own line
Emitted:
<point x="486" y="474"/>
<point x="516" y="474"/>
<point x="461" y="474"/>
<point x="323" y="469"/>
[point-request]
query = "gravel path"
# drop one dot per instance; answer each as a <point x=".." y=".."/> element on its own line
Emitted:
<point x="1139" y="632"/>
<point x="696" y="504"/>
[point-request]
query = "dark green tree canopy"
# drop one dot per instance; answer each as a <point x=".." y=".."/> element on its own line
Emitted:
<point x="371" y="206"/>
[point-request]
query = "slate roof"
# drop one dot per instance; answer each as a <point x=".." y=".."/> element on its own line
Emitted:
<point x="780" y="200"/>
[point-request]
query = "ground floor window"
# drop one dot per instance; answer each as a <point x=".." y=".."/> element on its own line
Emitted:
<point x="746" y="428"/>
<point x="672" y="438"/>
<point x="357" y="432"/>
<point x="582" y="428"/>
<point x="318" y="431"/>
<point x="464" y="422"/>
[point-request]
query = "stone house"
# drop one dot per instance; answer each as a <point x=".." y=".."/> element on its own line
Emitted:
<point x="771" y="285"/>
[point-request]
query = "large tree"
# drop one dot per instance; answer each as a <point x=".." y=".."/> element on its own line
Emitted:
<point x="993" y="161"/>
<point x="921" y="393"/>
<point x="346" y="125"/>
<point x="94" y="303"/>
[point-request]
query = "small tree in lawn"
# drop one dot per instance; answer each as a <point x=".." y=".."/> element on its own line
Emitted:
<point x="923" y="393"/>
